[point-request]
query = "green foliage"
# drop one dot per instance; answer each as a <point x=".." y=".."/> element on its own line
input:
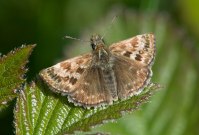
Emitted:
<point x="38" y="111"/>
<point x="173" y="111"/>
<point x="12" y="70"/>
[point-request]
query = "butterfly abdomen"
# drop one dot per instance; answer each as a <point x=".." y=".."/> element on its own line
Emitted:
<point x="110" y="82"/>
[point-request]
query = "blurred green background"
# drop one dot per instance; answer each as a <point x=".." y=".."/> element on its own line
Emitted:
<point x="172" y="111"/>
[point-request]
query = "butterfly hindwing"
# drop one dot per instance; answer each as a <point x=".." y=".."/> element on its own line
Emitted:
<point x="131" y="76"/>
<point x="91" y="90"/>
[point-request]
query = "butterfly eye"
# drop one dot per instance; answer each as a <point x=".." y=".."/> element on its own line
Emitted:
<point x="93" y="46"/>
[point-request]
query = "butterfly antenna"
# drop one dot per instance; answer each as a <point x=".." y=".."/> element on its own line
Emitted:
<point x="77" y="39"/>
<point x="113" y="20"/>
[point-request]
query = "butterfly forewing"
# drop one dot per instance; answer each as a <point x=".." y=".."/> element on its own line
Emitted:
<point x="63" y="76"/>
<point x="140" y="48"/>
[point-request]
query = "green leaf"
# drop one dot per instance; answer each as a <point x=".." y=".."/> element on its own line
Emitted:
<point x="12" y="70"/>
<point x="38" y="111"/>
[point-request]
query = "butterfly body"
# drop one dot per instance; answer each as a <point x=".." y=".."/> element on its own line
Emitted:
<point x="106" y="74"/>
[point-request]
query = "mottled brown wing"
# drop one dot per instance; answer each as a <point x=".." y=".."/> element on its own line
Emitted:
<point x="133" y="60"/>
<point x="131" y="76"/>
<point x="63" y="76"/>
<point x="83" y="83"/>
<point x="140" y="48"/>
<point x="90" y="90"/>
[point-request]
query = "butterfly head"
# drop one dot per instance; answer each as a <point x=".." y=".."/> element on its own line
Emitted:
<point x="97" y="42"/>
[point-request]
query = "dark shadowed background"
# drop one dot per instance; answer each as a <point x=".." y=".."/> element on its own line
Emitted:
<point x="172" y="111"/>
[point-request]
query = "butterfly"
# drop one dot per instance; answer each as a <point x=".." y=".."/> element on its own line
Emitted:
<point x="106" y="74"/>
